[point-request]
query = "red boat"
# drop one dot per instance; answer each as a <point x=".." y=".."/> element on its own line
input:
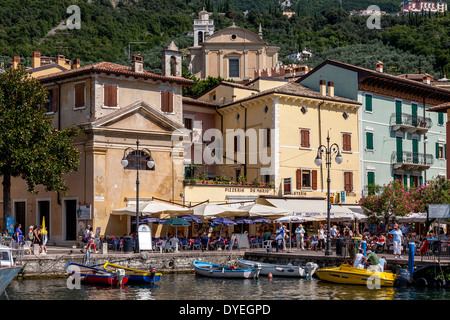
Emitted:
<point x="92" y="275"/>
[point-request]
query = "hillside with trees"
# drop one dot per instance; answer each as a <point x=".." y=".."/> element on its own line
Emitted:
<point x="108" y="28"/>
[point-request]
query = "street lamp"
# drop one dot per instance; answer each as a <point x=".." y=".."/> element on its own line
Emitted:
<point x="329" y="151"/>
<point x="133" y="159"/>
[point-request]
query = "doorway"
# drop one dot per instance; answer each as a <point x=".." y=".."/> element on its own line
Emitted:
<point x="43" y="212"/>
<point x="20" y="213"/>
<point x="70" y="207"/>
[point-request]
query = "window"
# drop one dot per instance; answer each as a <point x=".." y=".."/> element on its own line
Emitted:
<point x="138" y="158"/>
<point x="233" y="68"/>
<point x="79" y="95"/>
<point x="188" y="125"/>
<point x="346" y="142"/>
<point x="267" y="138"/>
<point x="304" y="138"/>
<point x="167" y="101"/>
<point x="237" y="146"/>
<point x="441" y="150"/>
<point x="414" y="114"/>
<point x="110" y="95"/>
<point x="306" y="179"/>
<point x="368" y="103"/>
<point x="348" y="181"/>
<point x="369" y="140"/>
<point x="52" y="104"/>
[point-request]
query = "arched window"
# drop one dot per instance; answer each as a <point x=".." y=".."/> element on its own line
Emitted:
<point x="138" y="158"/>
<point x="200" y="37"/>
<point x="173" y="66"/>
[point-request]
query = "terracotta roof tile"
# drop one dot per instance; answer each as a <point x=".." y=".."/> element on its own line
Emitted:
<point x="440" y="107"/>
<point x="114" y="68"/>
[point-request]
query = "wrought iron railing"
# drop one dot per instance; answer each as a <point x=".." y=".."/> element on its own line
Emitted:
<point x="407" y="157"/>
<point x="411" y="120"/>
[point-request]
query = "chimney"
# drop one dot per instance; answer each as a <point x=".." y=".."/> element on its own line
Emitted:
<point x="16" y="62"/>
<point x="323" y="87"/>
<point x="379" y="66"/>
<point x="331" y="88"/>
<point x="61" y="61"/>
<point x="426" y="79"/>
<point x="137" y="63"/>
<point x="76" y="63"/>
<point x="36" y="59"/>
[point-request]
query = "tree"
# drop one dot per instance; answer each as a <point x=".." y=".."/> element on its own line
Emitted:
<point x="394" y="201"/>
<point x="30" y="147"/>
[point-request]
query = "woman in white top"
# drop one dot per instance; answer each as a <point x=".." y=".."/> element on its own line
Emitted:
<point x="359" y="259"/>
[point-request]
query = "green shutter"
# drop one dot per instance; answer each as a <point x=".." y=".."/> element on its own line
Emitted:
<point x="369" y="140"/>
<point x="369" y="103"/>
<point x="437" y="150"/>
<point x="399" y="149"/>
<point x="370" y="177"/>
<point x="414" y="114"/>
<point x="398" y="112"/>
<point x="420" y="180"/>
<point x="440" y="118"/>
<point x="415" y="148"/>
<point x="405" y="180"/>
<point x="411" y="181"/>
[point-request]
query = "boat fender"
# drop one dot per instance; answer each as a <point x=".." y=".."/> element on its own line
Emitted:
<point x="422" y="282"/>
<point x="270" y="276"/>
<point x="233" y="267"/>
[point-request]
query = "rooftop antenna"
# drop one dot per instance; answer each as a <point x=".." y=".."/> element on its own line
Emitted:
<point x="129" y="49"/>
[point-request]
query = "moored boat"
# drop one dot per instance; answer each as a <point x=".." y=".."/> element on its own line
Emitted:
<point x="135" y="275"/>
<point x="8" y="268"/>
<point x="347" y="274"/>
<point x="288" y="270"/>
<point x="221" y="271"/>
<point x="93" y="275"/>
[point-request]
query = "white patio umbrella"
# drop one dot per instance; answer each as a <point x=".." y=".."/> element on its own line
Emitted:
<point x="210" y="210"/>
<point x="152" y="207"/>
<point x="260" y="210"/>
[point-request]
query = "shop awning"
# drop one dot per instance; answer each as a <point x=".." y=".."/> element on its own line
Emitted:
<point x="305" y="208"/>
<point x="347" y="213"/>
<point x="260" y="210"/>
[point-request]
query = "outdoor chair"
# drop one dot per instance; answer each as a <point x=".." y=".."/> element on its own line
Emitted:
<point x="204" y="243"/>
<point x="254" y="243"/>
<point x="196" y="244"/>
<point x="260" y="242"/>
<point x="185" y="244"/>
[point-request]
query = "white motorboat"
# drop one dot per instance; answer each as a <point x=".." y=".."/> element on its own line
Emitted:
<point x="8" y="268"/>
<point x="287" y="270"/>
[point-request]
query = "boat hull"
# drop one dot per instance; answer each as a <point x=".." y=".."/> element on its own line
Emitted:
<point x="356" y="276"/>
<point x="219" y="271"/>
<point x="135" y="275"/>
<point x="96" y="276"/>
<point x="281" y="270"/>
<point x="7" y="274"/>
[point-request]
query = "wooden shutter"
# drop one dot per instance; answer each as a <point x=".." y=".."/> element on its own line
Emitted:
<point x="167" y="101"/>
<point x="170" y="102"/>
<point x="299" y="179"/>
<point x="348" y="181"/>
<point x="55" y="99"/>
<point x="304" y="138"/>
<point x="110" y="95"/>
<point x="268" y="137"/>
<point x="314" y="179"/>
<point x="79" y="95"/>
<point x="347" y="142"/>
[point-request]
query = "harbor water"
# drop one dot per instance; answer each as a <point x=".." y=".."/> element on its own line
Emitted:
<point x="181" y="287"/>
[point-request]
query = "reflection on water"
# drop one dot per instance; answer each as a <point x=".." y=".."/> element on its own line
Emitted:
<point x="192" y="287"/>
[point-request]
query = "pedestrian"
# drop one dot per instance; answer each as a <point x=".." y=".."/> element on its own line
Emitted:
<point x="44" y="234"/>
<point x="373" y="261"/>
<point x="86" y="235"/>
<point x="91" y="240"/>
<point x="397" y="241"/>
<point x="383" y="263"/>
<point x="279" y="239"/>
<point x="31" y="238"/>
<point x="359" y="259"/>
<point x="37" y="238"/>
<point x="299" y="234"/>
<point x="321" y="236"/>
<point x="281" y="233"/>
<point x="334" y="232"/>
<point x="18" y="238"/>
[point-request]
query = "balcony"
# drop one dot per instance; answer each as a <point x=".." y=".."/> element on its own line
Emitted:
<point x="411" y="161"/>
<point x="410" y="123"/>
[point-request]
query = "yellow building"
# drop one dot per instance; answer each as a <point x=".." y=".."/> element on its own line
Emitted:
<point x="272" y="136"/>
<point x="115" y="105"/>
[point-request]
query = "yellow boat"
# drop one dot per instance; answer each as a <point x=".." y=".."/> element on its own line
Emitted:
<point x="346" y="274"/>
<point x="135" y="275"/>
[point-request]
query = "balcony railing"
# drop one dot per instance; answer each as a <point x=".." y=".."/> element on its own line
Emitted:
<point x="411" y="160"/>
<point x="410" y="123"/>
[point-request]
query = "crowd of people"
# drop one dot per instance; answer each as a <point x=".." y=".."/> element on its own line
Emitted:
<point x="37" y="235"/>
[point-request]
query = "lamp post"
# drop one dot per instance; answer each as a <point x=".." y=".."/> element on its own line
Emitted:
<point x="137" y="157"/>
<point x="329" y="151"/>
